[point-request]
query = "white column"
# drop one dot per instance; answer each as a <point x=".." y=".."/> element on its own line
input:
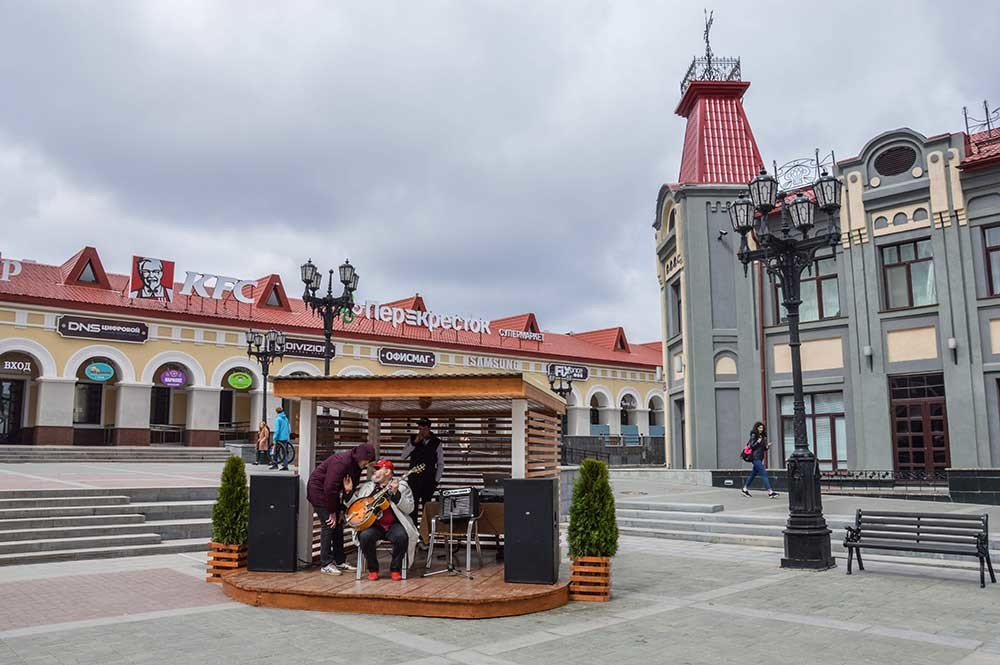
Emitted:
<point x="518" y="438"/>
<point x="132" y="406"/>
<point x="642" y="420"/>
<point x="307" y="447"/>
<point x="612" y="417"/>
<point x="55" y="402"/>
<point x="578" y="421"/>
<point x="202" y="408"/>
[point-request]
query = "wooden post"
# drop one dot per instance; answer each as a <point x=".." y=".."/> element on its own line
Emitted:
<point x="374" y="435"/>
<point x="307" y="448"/>
<point x="518" y="434"/>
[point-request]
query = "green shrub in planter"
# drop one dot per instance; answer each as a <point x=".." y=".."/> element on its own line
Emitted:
<point x="593" y="529"/>
<point x="231" y="512"/>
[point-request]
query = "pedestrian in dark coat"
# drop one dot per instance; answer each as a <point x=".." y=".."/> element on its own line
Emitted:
<point x="329" y="485"/>
<point x="758" y="443"/>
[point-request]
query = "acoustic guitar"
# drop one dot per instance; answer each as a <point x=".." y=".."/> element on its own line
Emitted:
<point x="363" y="512"/>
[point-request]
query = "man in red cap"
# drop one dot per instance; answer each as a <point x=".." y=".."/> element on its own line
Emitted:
<point x="395" y="524"/>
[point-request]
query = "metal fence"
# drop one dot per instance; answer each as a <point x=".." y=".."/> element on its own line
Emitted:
<point x="881" y="480"/>
<point x="650" y="451"/>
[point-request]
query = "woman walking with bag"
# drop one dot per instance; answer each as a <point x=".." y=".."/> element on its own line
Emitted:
<point x="263" y="443"/>
<point x="758" y="444"/>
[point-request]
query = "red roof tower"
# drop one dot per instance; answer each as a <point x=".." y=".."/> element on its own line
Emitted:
<point x="719" y="146"/>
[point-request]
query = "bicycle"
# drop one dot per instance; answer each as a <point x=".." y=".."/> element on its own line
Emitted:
<point x="281" y="453"/>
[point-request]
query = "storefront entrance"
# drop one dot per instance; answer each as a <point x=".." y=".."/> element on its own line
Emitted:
<point x="919" y="423"/>
<point x="11" y="410"/>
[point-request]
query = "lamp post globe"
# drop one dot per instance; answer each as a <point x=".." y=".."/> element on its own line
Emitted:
<point x="828" y="192"/>
<point x="741" y="214"/>
<point x="802" y="212"/>
<point x="763" y="191"/>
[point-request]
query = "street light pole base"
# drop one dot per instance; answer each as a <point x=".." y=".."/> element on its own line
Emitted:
<point x="808" y="549"/>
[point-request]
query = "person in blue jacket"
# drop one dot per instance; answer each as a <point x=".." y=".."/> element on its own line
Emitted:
<point x="282" y="433"/>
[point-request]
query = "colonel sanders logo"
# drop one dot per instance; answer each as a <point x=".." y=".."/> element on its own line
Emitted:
<point x="151" y="278"/>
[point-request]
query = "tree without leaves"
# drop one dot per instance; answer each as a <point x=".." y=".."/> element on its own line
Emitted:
<point x="231" y="512"/>
<point x="593" y="529"/>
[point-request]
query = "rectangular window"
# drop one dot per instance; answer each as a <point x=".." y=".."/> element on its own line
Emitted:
<point x="87" y="404"/>
<point x="991" y="241"/>
<point x="819" y="292"/>
<point x="675" y="319"/>
<point x="908" y="273"/>
<point x="826" y="428"/>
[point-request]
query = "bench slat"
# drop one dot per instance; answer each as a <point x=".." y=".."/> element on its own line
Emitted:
<point x="939" y="523"/>
<point x="879" y="534"/>
<point x="950" y="516"/>
<point x="931" y="531"/>
<point x="914" y="547"/>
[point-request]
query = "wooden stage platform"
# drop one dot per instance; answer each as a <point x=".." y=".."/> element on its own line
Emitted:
<point x="485" y="596"/>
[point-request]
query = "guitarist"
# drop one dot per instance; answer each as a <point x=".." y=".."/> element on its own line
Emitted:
<point x="395" y="524"/>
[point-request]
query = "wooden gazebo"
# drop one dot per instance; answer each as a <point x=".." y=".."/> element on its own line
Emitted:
<point x="490" y="425"/>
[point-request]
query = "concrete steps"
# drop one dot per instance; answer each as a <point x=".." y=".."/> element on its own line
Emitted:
<point x="655" y="520"/>
<point x="62" y="525"/>
<point x="165" y="547"/>
<point x="46" y="454"/>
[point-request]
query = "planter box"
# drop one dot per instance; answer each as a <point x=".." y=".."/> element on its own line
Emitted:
<point x="224" y="559"/>
<point x="590" y="579"/>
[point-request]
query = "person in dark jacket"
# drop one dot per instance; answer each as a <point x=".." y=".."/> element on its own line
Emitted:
<point x="759" y="444"/>
<point x="425" y="448"/>
<point x="329" y="485"/>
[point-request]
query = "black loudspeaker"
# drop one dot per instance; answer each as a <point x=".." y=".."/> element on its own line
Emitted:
<point x="274" y="511"/>
<point x="531" y="530"/>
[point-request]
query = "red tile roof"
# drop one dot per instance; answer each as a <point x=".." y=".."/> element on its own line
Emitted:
<point x="982" y="149"/>
<point x="44" y="285"/>
<point x="719" y="146"/>
<point x="606" y="338"/>
<point x="522" y="322"/>
<point x="414" y="302"/>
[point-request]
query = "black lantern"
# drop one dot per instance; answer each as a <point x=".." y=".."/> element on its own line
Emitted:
<point x="560" y="385"/>
<point x="828" y="191"/>
<point x="265" y="348"/>
<point x="802" y="212"/>
<point x="764" y="191"/>
<point x="741" y="214"/>
<point x="309" y="272"/>
<point x="346" y="273"/>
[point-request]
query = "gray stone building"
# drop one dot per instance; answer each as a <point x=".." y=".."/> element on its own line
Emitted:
<point x="900" y="328"/>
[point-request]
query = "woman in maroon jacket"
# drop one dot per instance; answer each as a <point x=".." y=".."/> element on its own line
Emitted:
<point x="329" y="484"/>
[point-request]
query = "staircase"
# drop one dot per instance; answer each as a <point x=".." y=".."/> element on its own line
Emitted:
<point x="37" y="526"/>
<point x="709" y="523"/>
<point x="43" y="454"/>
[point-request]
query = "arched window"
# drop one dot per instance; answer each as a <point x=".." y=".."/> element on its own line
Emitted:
<point x="627" y="406"/>
<point x="595" y="411"/>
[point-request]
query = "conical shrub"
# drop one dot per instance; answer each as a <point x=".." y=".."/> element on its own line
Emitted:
<point x="231" y="512"/>
<point x="593" y="529"/>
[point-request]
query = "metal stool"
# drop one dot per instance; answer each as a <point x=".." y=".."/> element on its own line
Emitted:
<point x="361" y="559"/>
<point x="471" y="533"/>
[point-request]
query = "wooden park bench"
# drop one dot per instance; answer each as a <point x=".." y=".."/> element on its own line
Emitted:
<point x="940" y="533"/>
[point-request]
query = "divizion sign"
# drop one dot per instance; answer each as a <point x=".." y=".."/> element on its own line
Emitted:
<point x="307" y="348"/>
<point x="406" y="357"/>
<point x="118" y="331"/>
<point x="572" y="372"/>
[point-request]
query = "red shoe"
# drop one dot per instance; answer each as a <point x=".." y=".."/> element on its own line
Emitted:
<point x="396" y="576"/>
<point x="372" y="576"/>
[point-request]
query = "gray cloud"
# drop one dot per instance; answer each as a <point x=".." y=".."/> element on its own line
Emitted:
<point x="496" y="157"/>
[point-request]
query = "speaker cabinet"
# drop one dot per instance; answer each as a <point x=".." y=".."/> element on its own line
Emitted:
<point x="274" y="510"/>
<point x="531" y="530"/>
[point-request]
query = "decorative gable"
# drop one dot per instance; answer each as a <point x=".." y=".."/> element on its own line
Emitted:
<point x="85" y="269"/>
<point x="271" y="294"/>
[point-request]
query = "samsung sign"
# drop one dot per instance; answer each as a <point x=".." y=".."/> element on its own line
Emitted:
<point x="489" y="362"/>
<point x="571" y="372"/>
<point x="407" y="358"/>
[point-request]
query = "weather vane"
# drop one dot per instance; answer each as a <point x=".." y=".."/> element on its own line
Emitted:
<point x="709" y="17"/>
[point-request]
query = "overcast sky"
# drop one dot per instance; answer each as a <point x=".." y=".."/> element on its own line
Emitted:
<point x="497" y="157"/>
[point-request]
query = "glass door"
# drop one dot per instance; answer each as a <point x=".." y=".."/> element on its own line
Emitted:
<point x="11" y="410"/>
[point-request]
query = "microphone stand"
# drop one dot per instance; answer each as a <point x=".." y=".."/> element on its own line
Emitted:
<point x="451" y="554"/>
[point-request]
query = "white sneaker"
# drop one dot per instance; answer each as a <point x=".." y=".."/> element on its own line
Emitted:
<point x="331" y="569"/>
<point x="347" y="566"/>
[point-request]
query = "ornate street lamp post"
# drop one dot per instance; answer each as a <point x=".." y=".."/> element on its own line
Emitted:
<point x="265" y="348"/>
<point x="785" y="251"/>
<point x="329" y="306"/>
<point x="561" y="386"/>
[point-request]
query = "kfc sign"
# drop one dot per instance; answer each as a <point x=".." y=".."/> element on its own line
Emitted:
<point x="118" y="331"/>
<point x="216" y="286"/>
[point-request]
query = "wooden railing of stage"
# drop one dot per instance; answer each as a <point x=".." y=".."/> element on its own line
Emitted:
<point x="542" y="439"/>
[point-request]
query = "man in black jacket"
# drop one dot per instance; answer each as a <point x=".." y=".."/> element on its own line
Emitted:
<point x="426" y="448"/>
<point x="328" y="485"/>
